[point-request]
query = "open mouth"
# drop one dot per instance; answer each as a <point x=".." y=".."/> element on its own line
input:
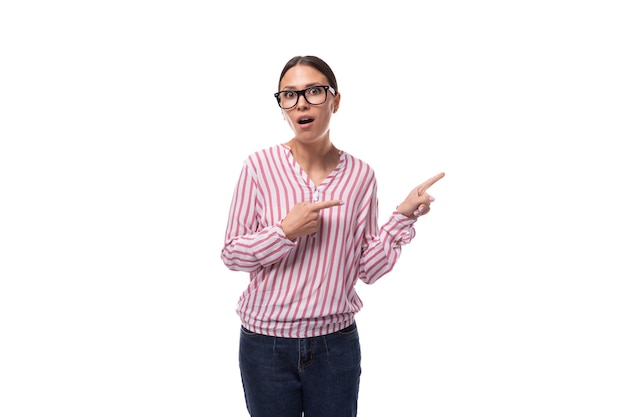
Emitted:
<point x="305" y="120"/>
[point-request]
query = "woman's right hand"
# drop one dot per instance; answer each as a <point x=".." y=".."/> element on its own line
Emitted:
<point x="303" y="218"/>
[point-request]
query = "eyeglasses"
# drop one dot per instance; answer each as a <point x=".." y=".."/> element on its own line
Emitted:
<point x="315" y="95"/>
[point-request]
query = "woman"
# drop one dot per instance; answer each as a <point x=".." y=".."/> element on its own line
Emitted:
<point x="304" y="223"/>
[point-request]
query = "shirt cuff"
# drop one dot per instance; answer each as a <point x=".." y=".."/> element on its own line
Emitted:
<point x="400" y="228"/>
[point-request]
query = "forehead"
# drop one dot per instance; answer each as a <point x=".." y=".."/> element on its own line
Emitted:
<point x="302" y="76"/>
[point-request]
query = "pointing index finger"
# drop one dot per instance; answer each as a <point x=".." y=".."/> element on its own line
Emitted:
<point x="326" y="204"/>
<point x="426" y="185"/>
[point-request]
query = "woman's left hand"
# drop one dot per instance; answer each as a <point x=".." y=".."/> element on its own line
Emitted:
<point x="417" y="203"/>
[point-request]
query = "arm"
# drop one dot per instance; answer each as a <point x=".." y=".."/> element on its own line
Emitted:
<point x="249" y="245"/>
<point x="382" y="251"/>
<point x="382" y="248"/>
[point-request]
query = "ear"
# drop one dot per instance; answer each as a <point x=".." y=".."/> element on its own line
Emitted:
<point x="336" y="103"/>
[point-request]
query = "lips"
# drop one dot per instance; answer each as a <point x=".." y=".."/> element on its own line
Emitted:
<point x="305" y="120"/>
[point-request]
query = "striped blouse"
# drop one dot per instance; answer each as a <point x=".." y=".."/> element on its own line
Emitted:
<point x="307" y="288"/>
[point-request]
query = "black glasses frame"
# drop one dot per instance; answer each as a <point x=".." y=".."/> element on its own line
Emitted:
<point x="299" y="93"/>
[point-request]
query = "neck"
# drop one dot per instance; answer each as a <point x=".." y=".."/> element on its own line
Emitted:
<point x="316" y="159"/>
<point x="313" y="154"/>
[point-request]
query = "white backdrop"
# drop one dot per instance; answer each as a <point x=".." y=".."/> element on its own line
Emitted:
<point x="123" y="128"/>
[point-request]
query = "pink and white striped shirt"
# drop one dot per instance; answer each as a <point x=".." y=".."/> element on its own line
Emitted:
<point x="307" y="288"/>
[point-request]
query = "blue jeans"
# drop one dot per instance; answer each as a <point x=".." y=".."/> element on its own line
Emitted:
<point x="284" y="377"/>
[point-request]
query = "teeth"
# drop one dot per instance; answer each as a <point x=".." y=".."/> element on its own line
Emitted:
<point x="301" y="121"/>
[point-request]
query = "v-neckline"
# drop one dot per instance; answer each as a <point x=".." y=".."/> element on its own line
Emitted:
<point x="305" y="177"/>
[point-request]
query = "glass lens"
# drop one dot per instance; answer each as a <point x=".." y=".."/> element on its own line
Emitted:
<point x="315" y="95"/>
<point x="288" y="99"/>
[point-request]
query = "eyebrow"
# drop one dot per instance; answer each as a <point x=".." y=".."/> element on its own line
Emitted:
<point x="292" y="88"/>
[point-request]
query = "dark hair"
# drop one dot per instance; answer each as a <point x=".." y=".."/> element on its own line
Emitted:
<point x="312" y="61"/>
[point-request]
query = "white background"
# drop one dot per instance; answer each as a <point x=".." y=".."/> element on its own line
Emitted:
<point x="123" y="128"/>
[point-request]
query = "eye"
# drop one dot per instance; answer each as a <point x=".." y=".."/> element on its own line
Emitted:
<point x="314" y="91"/>
<point x="288" y="94"/>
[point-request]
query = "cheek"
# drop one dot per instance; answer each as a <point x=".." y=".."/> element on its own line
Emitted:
<point x="290" y="121"/>
<point x="327" y="115"/>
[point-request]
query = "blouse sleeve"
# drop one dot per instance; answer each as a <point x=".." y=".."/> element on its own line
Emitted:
<point x="382" y="247"/>
<point x="247" y="245"/>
